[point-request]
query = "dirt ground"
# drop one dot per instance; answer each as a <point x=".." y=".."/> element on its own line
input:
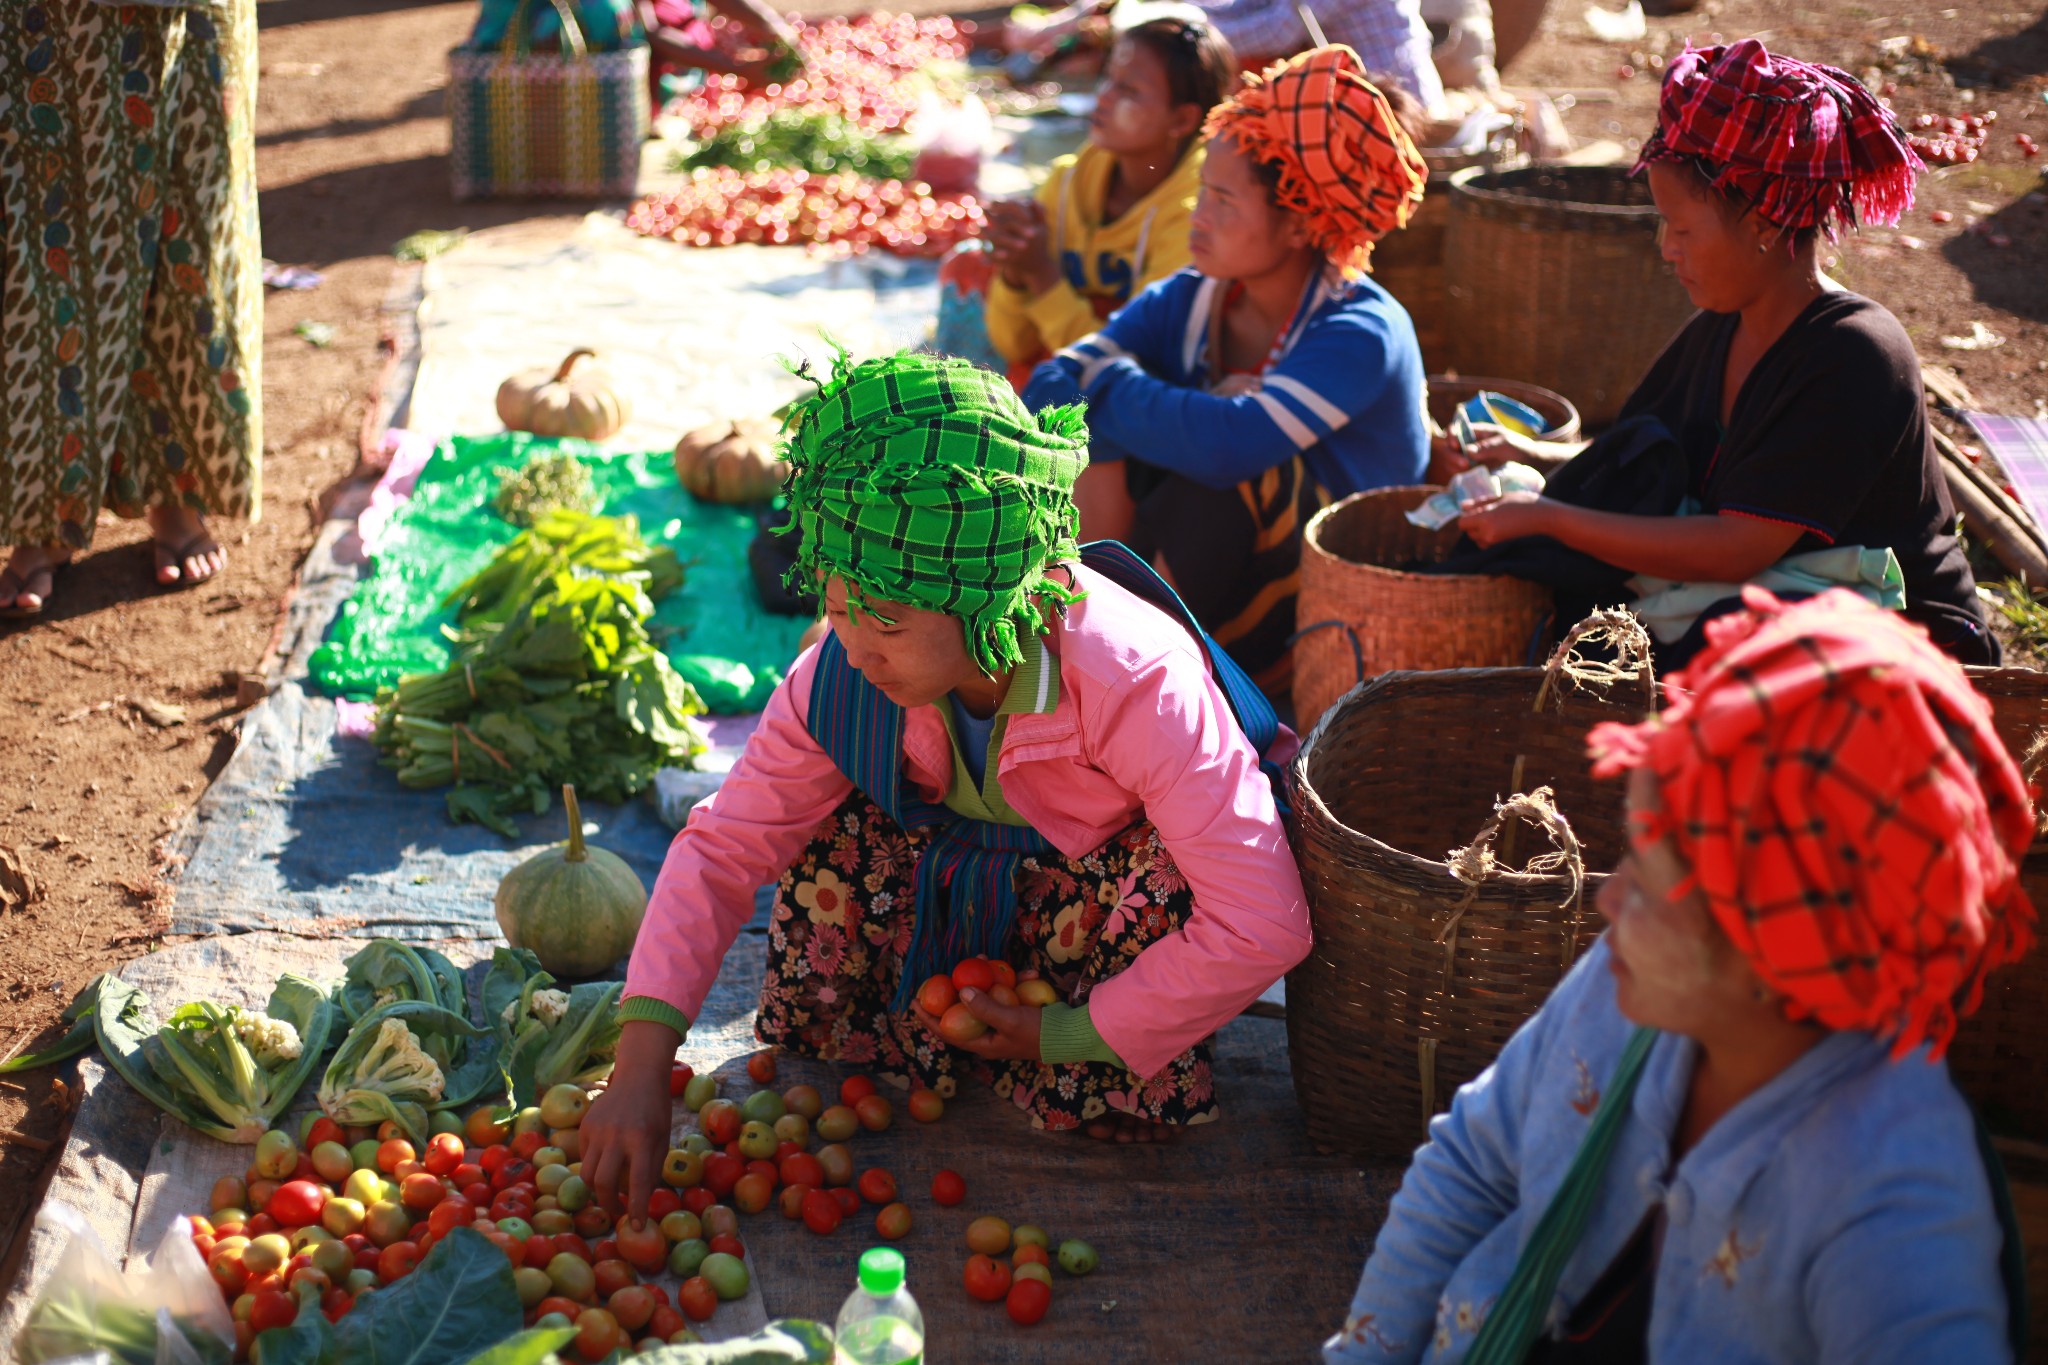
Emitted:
<point x="121" y="704"/>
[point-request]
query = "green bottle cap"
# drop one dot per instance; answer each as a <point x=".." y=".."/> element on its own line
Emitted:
<point x="881" y="1270"/>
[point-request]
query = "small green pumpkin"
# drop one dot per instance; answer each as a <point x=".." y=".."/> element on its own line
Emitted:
<point x="577" y="908"/>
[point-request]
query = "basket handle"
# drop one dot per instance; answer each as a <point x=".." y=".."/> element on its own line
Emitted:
<point x="1476" y="864"/>
<point x="518" y="40"/>
<point x="1616" y="626"/>
<point x="1350" y="633"/>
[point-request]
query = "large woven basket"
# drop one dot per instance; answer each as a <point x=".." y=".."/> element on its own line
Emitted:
<point x="1416" y="980"/>
<point x="1362" y="611"/>
<point x="1447" y="391"/>
<point x="1409" y="264"/>
<point x="2000" y="1054"/>
<point x="1553" y="275"/>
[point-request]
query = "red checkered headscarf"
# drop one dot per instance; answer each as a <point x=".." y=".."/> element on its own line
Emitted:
<point x="1806" y="145"/>
<point x="1346" y="165"/>
<point x="1853" y="820"/>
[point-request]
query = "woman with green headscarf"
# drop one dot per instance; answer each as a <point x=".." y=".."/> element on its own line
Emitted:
<point x="1006" y="745"/>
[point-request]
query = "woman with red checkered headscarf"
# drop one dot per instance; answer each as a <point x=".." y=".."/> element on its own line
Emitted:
<point x="1795" y="405"/>
<point x="1729" y="1134"/>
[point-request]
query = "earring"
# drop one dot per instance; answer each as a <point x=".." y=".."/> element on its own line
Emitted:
<point x="1763" y="248"/>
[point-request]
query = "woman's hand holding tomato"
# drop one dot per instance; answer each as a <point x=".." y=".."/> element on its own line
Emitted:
<point x="1012" y="1029"/>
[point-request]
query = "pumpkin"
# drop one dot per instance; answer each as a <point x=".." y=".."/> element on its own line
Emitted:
<point x="732" y="461"/>
<point x="575" y="398"/>
<point x="577" y="907"/>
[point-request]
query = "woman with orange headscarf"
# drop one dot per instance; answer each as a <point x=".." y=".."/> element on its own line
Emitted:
<point x="1230" y="401"/>
<point x="1729" y="1135"/>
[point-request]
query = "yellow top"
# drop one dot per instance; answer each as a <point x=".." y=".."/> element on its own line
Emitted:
<point x="1100" y="263"/>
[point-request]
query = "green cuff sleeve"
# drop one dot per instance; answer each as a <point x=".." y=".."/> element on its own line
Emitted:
<point x="655" y="1012"/>
<point x="1067" y="1034"/>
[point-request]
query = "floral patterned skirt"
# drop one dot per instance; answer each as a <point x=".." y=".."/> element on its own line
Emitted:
<point x="841" y="927"/>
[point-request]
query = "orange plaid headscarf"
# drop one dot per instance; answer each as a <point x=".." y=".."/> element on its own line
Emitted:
<point x="1346" y="166"/>
<point x="1846" y="808"/>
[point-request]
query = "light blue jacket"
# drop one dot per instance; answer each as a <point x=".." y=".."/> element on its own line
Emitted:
<point x="1840" y="1214"/>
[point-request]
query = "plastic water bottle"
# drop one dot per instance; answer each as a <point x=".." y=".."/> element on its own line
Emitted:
<point x="879" y="1323"/>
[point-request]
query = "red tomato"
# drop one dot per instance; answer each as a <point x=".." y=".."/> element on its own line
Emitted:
<point x="297" y="1203"/>
<point x="1028" y="1253"/>
<point x="761" y="1068"/>
<point x="606" y="1249"/>
<point x="768" y="1171"/>
<point x="324" y="1129"/>
<point x="444" y="1154"/>
<point x="450" y="1213"/>
<point x="633" y="1306"/>
<point x="876" y="1113"/>
<point x="948" y="1188"/>
<point x="753" y="1191"/>
<point x="697" y="1199"/>
<point x="853" y="1088"/>
<point x="925" y="1106"/>
<point x="612" y="1276"/>
<point x="721" y="1173"/>
<point x="720" y="1121"/>
<point x="261" y="1223"/>
<point x="893" y="1222"/>
<point x="420" y="1192"/>
<point x="822" y="1213"/>
<point x="483" y="1130"/>
<point x="597" y="1334"/>
<point x="730" y="1245"/>
<point x="517" y="1171"/>
<point x="877" y="1186"/>
<point x="697" y="1299"/>
<point x="641" y="1243"/>
<point x="592" y="1221"/>
<point x="575" y="1246"/>
<point x="800" y="1168"/>
<point x="273" y="1308"/>
<point x="538" y="1251"/>
<point x="1006" y="975"/>
<point x="467" y="1174"/>
<point x="678" y="1079"/>
<point x="556" y="1303"/>
<point x="392" y="1151"/>
<point x="960" y="1025"/>
<point x="937" y="995"/>
<point x="1027" y="1301"/>
<point x="792" y="1200"/>
<point x="524" y="1145"/>
<point x="977" y="972"/>
<point x="491" y="1158"/>
<point x="666" y="1322"/>
<point x="848" y="1201"/>
<point x="478" y="1193"/>
<point x="662" y="1203"/>
<point x="396" y="1261"/>
<point x="366" y="1258"/>
<point x="987" y="1279"/>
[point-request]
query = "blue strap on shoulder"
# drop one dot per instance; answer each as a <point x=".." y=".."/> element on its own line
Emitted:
<point x="1122" y="566"/>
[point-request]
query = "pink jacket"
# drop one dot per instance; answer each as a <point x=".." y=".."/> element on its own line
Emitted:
<point x="1140" y="729"/>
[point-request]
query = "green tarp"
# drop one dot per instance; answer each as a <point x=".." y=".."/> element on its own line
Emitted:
<point x="729" y="649"/>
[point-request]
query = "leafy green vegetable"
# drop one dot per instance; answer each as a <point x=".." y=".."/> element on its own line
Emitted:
<point x="556" y="679"/>
<point x="391" y="1066"/>
<point x="76" y="1039"/>
<point x="786" y="1341"/>
<point x="547" y="1037"/>
<point x="804" y="140"/>
<point x="459" y="1306"/>
<point x="227" y="1072"/>
<point x="551" y="483"/>
<point x="388" y="970"/>
<point x="534" y="1346"/>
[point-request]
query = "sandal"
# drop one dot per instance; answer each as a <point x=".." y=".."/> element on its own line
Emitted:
<point x="13" y="583"/>
<point x="174" y="557"/>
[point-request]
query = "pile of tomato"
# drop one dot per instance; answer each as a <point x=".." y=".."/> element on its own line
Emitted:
<point x="1951" y="141"/>
<point x="723" y="206"/>
<point x="322" y="1220"/>
<point x="866" y="69"/>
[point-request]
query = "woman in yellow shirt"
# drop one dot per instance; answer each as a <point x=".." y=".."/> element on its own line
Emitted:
<point x="1113" y="217"/>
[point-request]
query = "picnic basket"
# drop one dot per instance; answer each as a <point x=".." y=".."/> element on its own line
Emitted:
<point x="1425" y="962"/>
<point x="1362" y="611"/>
<point x="565" y="125"/>
<point x="1552" y="274"/>
<point x="1999" y="1057"/>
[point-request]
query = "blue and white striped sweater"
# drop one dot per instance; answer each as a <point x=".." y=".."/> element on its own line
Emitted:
<point x="1346" y="392"/>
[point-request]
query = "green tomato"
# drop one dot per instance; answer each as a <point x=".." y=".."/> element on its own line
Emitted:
<point x="553" y="1320"/>
<point x="310" y="1236"/>
<point x="1030" y="1235"/>
<point x="572" y="1195"/>
<point x="444" y="1121"/>
<point x="364" y="1155"/>
<point x="685" y="1258"/>
<point x="572" y="1277"/>
<point x="533" y="1285"/>
<point x="564" y="1106"/>
<point x="698" y="1143"/>
<point x="1077" y="1257"/>
<point x="277" y="1155"/>
<point x="763" y="1106"/>
<point x="550" y="1156"/>
<point x="518" y="1229"/>
<point x="362" y="1281"/>
<point x="548" y="1179"/>
<point x="699" y="1091"/>
<point x="682" y="1226"/>
<point x="364" y="1186"/>
<point x="727" y="1273"/>
<point x="757" y="1139"/>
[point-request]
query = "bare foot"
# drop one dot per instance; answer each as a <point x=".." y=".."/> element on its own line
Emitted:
<point x="185" y="552"/>
<point x="1123" y="1128"/>
<point x="26" y="581"/>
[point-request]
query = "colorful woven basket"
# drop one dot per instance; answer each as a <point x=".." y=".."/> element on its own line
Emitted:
<point x="530" y="124"/>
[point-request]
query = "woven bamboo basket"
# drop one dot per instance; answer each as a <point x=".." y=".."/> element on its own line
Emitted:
<point x="1409" y="264"/>
<point x="1362" y="612"/>
<point x="1418" y="979"/>
<point x="1447" y="391"/>
<point x="1553" y="275"/>
<point x="2000" y="1054"/>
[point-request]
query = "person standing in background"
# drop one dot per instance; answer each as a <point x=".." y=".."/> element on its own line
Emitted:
<point x="131" y="303"/>
<point x="1389" y="37"/>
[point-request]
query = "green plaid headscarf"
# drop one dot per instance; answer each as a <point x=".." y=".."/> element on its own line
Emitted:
<point x="924" y="479"/>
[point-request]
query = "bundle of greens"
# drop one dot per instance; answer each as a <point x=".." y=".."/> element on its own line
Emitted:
<point x="72" y="1322"/>
<point x="805" y="140"/>
<point x="549" y="483"/>
<point x="556" y="679"/>
<point x="396" y="1064"/>
<point x="547" y="1037"/>
<point x="386" y="971"/>
<point x="227" y="1072"/>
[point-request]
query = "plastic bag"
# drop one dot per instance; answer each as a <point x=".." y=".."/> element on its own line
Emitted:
<point x="168" y="1312"/>
<point x="950" y="140"/>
